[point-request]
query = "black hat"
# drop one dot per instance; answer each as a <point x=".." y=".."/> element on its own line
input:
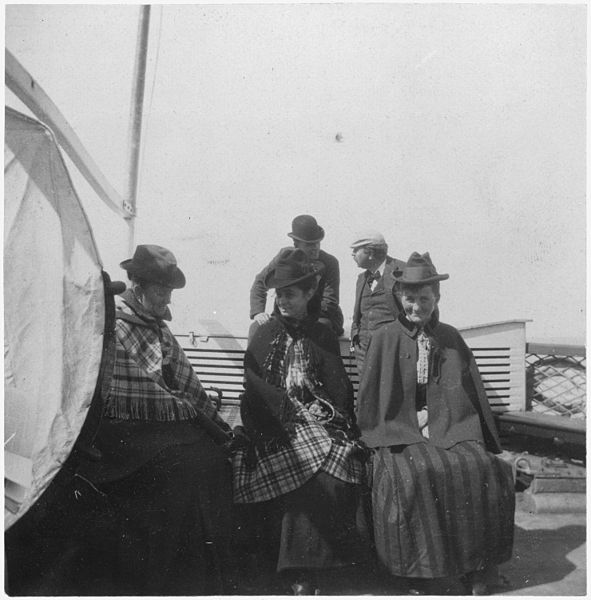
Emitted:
<point x="304" y="228"/>
<point x="156" y="265"/>
<point x="419" y="270"/>
<point x="292" y="267"/>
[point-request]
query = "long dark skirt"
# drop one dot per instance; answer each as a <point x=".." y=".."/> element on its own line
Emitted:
<point x="440" y="513"/>
<point x="321" y="525"/>
<point x="177" y="518"/>
<point x="152" y="516"/>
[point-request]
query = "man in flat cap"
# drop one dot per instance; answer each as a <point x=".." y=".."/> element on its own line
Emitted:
<point x="375" y="304"/>
<point x="306" y="235"/>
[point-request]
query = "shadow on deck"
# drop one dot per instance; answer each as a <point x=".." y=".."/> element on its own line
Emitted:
<point x="549" y="559"/>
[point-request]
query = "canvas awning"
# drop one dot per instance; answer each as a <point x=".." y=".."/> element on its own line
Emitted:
<point x="53" y="313"/>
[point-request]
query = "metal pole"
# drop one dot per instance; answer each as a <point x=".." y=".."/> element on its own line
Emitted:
<point x="137" y="105"/>
<point x="28" y="90"/>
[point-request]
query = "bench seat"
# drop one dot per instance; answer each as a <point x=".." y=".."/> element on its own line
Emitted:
<point x="561" y="430"/>
<point x="499" y="350"/>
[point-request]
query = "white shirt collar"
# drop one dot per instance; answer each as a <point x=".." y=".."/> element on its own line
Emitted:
<point x="380" y="269"/>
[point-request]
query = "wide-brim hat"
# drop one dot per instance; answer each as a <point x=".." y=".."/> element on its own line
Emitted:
<point x="292" y="267"/>
<point x="156" y="265"/>
<point x="419" y="270"/>
<point x="304" y="228"/>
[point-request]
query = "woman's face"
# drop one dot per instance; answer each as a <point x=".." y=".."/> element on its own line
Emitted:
<point x="155" y="298"/>
<point x="418" y="304"/>
<point x="292" y="301"/>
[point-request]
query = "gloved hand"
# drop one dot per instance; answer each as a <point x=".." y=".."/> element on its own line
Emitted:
<point x="261" y="318"/>
<point x="215" y="395"/>
<point x="238" y="440"/>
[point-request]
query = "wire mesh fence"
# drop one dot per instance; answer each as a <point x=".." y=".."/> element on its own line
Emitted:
<point x="556" y="380"/>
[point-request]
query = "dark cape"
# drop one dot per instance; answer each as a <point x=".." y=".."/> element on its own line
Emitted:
<point x="456" y="398"/>
<point x="263" y="418"/>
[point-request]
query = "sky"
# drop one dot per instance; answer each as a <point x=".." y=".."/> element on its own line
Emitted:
<point x="457" y="129"/>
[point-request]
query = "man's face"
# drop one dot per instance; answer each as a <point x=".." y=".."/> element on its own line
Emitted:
<point x="362" y="256"/>
<point x="312" y="249"/>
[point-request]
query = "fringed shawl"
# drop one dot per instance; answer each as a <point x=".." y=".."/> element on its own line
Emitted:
<point x="152" y="378"/>
<point x="295" y="410"/>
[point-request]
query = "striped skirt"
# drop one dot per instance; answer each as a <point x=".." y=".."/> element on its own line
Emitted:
<point x="441" y="513"/>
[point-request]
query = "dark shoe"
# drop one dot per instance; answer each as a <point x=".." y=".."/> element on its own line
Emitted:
<point x="299" y="589"/>
<point x="304" y="588"/>
<point x="480" y="589"/>
<point x="415" y="592"/>
<point x="485" y="581"/>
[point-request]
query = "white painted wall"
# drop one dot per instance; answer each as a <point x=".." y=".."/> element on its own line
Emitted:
<point x="461" y="126"/>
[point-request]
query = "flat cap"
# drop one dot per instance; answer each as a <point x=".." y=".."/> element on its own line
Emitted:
<point x="369" y="238"/>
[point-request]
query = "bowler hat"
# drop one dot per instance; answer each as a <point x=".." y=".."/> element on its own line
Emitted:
<point x="156" y="265"/>
<point x="419" y="270"/>
<point x="304" y="228"/>
<point x="292" y="267"/>
<point x="369" y="238"/>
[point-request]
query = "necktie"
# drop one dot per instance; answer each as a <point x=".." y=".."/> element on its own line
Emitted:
<point x="372" y="278"/>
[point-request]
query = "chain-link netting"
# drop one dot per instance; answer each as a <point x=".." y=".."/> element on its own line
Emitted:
<point x="556" y="384"/>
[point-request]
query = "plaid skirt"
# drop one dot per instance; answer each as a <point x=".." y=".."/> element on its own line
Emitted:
<point x="441" y="512"/>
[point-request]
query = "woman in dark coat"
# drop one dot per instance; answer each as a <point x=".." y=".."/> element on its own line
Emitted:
<point x="300" y="480"/>
<point x="443" y="504"/>
<point x="166" y="479"/>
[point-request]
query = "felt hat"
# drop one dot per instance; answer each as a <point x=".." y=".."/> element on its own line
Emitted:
<point x="156" y="265"/>
<point x="369" y="238"/>
<point x="304" y="228"/>
<point x="419" y="270"/>
<point x="292" y="267"/>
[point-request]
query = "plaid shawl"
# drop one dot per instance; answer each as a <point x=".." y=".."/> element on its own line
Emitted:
<point x="299" y="367"/>
<point x="145" y="349"/>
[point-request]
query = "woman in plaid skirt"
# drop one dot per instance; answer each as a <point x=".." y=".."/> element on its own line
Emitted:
<point x="299" y="482"/>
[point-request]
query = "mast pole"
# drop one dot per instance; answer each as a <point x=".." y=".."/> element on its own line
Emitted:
<point x="135" y="131"/>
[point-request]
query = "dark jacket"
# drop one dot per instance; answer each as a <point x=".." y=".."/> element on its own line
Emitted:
<point x="456" y="399"/>
<point x="327" y="293"/>
<point x="290" y="442"/>
<point x="392" y="265"/>
<point x="333" y="378"/>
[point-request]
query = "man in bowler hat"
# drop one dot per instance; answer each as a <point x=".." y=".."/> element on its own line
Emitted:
<point x="306" y="235"/>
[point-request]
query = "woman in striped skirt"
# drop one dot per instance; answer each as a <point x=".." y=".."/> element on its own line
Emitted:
<point x="443" y="504"/>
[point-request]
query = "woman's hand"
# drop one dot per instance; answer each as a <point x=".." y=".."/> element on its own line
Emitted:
<point x="237" y="440"/>
<point x="215" y="395"/>
<point x="261" y="318"/>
